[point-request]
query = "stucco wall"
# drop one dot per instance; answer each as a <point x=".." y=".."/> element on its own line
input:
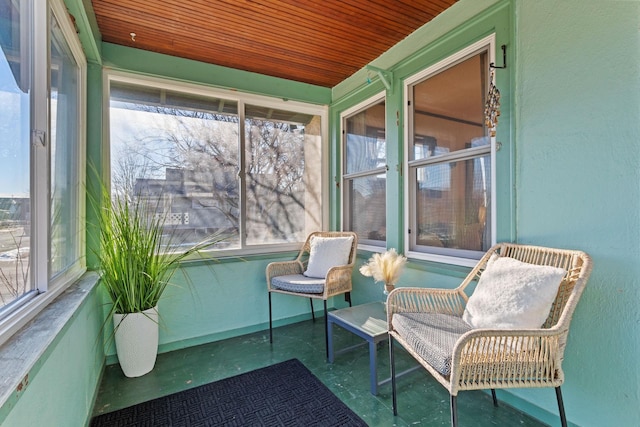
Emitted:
<point x="577" y="185"/>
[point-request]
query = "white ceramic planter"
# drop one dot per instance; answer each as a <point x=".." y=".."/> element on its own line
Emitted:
<point x="136" y="336"/>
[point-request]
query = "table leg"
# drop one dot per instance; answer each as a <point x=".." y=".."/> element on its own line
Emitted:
<point x="330" y="340"/>
<point x="373" y="366"/>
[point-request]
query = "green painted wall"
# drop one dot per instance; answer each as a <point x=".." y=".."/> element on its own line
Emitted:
<point x="95" y="158"/>
<point x="154" y="64"/>
<point x="62" y="386"/>
<point x="577" y="175"/>
<point x="223" y="299"/>
<point x="87" y="28"/>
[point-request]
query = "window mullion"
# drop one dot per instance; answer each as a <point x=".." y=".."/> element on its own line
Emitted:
<point x="242" y="170"/>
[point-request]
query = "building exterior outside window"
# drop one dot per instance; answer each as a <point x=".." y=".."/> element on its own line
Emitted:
<point x="211" y="162"/>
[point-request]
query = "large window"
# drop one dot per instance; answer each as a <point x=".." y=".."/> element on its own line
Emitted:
<point x="449" y="159"/>
<point x="15" y="127"/>
<point x="41" y="155"/>
<point x="210" y="162"/>
<point x="364" y="180"/>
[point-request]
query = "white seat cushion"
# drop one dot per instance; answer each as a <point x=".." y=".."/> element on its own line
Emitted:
<point x="298" y="283"/>
<point x="431" y="335"/>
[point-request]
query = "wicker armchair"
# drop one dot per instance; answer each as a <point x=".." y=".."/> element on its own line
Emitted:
<point x="490" y="358"/>
<point x="337" y="281"/>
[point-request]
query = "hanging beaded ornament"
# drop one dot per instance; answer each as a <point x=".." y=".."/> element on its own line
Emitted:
<point x="492" y="107"/>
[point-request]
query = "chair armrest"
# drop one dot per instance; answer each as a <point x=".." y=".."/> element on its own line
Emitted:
<point x="282" y="269"/>
<point x="338" y="280"/>
<point x="490" y="358"/>
<point x="414" y="300"/>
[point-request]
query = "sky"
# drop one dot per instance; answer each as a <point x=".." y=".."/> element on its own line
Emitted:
<point x="14" y="135"/>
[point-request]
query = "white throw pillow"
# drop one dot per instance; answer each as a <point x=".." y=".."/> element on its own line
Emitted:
<point x="327" y="252"/>
<point x="512" y="294"/>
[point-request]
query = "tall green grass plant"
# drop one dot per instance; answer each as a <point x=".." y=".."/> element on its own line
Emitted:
<point x="136" y="261"/>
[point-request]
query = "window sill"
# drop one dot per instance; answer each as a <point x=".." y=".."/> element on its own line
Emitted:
<point x="25" y="352"/>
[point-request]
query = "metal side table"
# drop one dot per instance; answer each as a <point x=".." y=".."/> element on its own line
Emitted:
<point x="368" y="321"/>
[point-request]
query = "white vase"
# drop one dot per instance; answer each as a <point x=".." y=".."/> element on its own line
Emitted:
<point x="136" y="337"/>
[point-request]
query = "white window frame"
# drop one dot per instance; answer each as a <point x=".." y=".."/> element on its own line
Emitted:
<point x="62" y="15"/>
<point x="486" y="44"/>
<point x="242" y="98"/>
<point x="355" y="109"/>
<point x="46" y="289"/>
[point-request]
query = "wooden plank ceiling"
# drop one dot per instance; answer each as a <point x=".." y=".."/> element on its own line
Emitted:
<point x="311" y="41"/>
